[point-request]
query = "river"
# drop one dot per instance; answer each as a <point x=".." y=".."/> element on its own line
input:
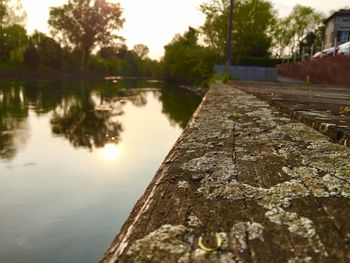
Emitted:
<point x="74" y="158"/>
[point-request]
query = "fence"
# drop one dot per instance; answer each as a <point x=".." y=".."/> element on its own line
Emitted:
<point x="249" y="73"/>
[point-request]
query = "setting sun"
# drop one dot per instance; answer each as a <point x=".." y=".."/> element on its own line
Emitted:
<point x="110" y="152"/>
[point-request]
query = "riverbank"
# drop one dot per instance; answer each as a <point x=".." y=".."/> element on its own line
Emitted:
<point x="243" y="183"/>
<point x="24" y="74"/>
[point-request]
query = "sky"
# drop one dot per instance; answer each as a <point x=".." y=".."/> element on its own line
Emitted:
<point x="155" y="22"/>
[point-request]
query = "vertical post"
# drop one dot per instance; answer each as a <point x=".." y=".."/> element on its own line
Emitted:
<point x="322" y="47"/>
<point x="335" y="46"/>
<point x="229" y="39"/>
<point x="312" y="52"/>
<point x="295" y="56"/>
<point x="303" y="54"/>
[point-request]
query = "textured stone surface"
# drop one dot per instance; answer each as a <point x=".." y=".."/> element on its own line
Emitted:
<point x="243" y="183"/>
<point x="324" y="108"/>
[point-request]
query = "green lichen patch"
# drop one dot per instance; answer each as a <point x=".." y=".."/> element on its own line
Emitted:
<point x="165" y="242"/>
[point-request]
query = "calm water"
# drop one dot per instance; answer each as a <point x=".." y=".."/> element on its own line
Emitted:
<point x="71" y="169"/>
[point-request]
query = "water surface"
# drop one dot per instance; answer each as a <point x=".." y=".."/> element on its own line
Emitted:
<point x="74" y="158"/>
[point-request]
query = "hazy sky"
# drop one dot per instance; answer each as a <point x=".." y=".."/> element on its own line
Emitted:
<point x="155" y="22"/>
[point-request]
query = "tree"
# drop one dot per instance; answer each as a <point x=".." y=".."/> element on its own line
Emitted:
<point x="281" y="37"/>
<point x="141" y="51"/>
<point x="185" y="60"/>
<point x="252" y="27"/>
<point x="312" y="40"/>
<point x="301" y="21"/>
<point x="83" y="24"/>
<point x="12" y="32"/>
<point x="46" y="50"/>
<point x="11" y="12"/>
<point x="13" y="40"/>
<point x="107" y="52"/>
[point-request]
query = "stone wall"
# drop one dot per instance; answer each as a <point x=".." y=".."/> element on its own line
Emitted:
<point x="328" y="70"/>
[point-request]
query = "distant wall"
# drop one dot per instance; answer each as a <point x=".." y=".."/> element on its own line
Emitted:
<point x="249" y="73"/>
<point x="328" y="70"/>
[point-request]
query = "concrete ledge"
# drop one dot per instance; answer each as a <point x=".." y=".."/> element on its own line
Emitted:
<point x="244" y="183"/>
<point x="324" y="108"/>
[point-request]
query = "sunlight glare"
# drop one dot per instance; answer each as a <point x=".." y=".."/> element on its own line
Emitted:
<point x="110" y="152"/>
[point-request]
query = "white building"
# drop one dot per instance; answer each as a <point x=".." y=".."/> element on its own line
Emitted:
<point x="337" y="27"/>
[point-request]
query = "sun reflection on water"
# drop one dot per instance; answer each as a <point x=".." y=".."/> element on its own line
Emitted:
<point x="110" y="152"/>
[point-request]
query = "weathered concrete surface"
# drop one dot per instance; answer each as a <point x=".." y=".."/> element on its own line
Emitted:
<point x="244" y="183"/>
<point x="324" y="108"/>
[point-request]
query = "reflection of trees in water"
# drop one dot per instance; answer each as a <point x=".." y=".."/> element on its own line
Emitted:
<point x="44" y="96"/>
<point x="73" y="104"/>
<point x="13" y="128"/>
<point x="136" y="96"/>
<point x="179" y="105"/>
<point x="83" y="125"/>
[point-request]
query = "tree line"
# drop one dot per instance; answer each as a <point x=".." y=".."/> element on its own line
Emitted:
<point x="84" y="36"/>
<point x="260" y="38"/>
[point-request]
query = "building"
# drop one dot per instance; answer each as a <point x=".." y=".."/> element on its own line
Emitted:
<point x="337" y="26"/>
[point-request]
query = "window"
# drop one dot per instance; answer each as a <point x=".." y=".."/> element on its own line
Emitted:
<point x="342" y="37"/>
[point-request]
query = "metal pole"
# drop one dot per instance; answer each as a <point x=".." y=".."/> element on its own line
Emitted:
<point x="229" y="39"/>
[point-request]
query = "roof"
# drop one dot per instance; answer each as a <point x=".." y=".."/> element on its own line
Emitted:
<point x="341" y="12"/>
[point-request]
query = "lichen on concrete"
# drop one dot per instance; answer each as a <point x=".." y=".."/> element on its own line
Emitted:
<point x="220" y="158"/>
<point x="324" y="170"/>
<point x="167" y="240"/>
<point x="243" y="231"/>
<point x="183" y="184"/>
<point x="193" y="221"/>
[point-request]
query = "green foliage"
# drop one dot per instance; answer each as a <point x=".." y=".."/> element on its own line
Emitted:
<point x="123" y="62"/>
<point x="312" y="41"/>
<point x="31" y="57"/>
<point x="44" y="50"/>
<point x="252" y="26"/>
<point x="13" y="40"/>
<point x="224" y="78"/>
<point x="185" y="60"/>
<point x="303" y="26"/>
<point x="83" y="24"/>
